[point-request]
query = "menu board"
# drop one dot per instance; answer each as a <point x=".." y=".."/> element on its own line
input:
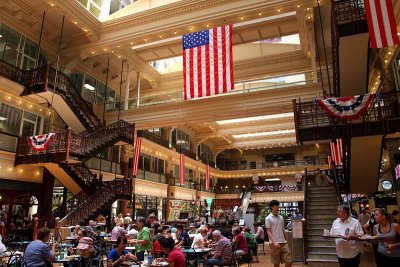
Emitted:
<point x="297" y="229"/>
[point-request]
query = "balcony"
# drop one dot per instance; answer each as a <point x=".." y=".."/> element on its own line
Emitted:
<point x="276" y="188"/>
<point x="275" y="164"/>
<point x="173" y="181"/>
<point x="151" y="176"/>
<point x="154" y="138"/>
<point x="381" y="117"/>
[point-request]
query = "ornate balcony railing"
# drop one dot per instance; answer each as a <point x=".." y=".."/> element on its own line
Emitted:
<point x="10" y="72"/>
<point x="154" y="138"/>
<point x="276" y="188"/>
<point x="47" y="78"/>
<point x="275" y="164"/>
<point x="116" y="189"/>
<point x="382" y="116"/>
<point x="68" y="144"/>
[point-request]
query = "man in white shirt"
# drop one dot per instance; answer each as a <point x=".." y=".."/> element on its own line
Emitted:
<point x="350" y="229"/>
<point x="278" y="246"/>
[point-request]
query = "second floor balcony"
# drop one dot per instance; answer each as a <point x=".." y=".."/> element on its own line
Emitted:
<point x="231" y="166"/>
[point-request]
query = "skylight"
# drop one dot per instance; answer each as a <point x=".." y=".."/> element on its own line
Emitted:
<point x="167" y="65"/>
<point x="279" y="132"/>
<point x="257" y="118"/>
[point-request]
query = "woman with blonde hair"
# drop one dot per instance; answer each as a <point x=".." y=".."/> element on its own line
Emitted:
<point x="200" y="239"/>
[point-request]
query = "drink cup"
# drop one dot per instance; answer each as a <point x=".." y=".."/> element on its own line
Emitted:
<point x="149" y="260"/>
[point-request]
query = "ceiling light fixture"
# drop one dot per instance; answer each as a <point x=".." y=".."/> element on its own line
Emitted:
<point x="88" y="86"/>
<point x="278" y="132"/>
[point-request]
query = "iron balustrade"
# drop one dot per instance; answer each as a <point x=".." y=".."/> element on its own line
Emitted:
<point x="154" y="138"/>
<point x="116" y="189"/>
<point x="275" y="164"/>
<point x="83" y="176"/>
<point x="70" y="205"/>
<point x="47" y="78"/>
<point x="381" y="116"/>
<point x="151" y="176"/>
<point x="176" y="182"/>
<point x="10" y="72"/>
<point x="277" y="188"/>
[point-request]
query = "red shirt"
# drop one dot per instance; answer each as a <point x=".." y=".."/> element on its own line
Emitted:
<point x="177" y="256"/>
<point x="241" y="243"/>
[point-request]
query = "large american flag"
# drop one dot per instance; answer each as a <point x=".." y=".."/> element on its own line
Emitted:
<point x="207" y="62"/>
<point x="381" y="23"/>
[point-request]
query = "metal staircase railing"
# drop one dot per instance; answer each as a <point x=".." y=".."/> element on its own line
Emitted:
<point x="82" y="175"/>
<point x="116" y="189"/>
<point x="62" y="210"/>
<point x="47" y="78"/>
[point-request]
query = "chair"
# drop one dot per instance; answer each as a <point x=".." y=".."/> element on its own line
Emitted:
<point x="262" y="242"/>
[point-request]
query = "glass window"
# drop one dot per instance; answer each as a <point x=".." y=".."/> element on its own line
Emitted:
<point x="100" y="93"/>
<point x="88" y="90"/>
<point x="77" y="81"/>
<point x="10" y="119"/>
<point x="10" y="42"/>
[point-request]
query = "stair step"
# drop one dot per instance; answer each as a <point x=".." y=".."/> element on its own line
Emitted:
<point x="320" y="243"/>
<point x="322" y="207"/>
<point x="322" y="249"/>
<point x="321" y="212"/>
<point x="321" y="195"/>
<point x="320" y="188"/>
<point x="319" y="222"/>
<point x="319" y="202"/>
<point x="322" y="255"/>
<point x="321" y="216"/>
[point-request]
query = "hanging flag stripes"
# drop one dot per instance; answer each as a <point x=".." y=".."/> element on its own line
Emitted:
<point x="181" y="167"/>
<point x="207" y="174"/>
<point x="136" y="156"/>
<point x="337" y="151"/>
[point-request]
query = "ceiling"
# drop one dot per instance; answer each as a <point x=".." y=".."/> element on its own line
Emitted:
<point x="139" y="38"/>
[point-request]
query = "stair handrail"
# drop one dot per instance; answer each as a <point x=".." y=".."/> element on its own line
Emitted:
<point x="117" y="187"/>
<point x="336" y="185"/>
<point x="83" y="176"/>
<point x="305" y="241"/>
<point x="70" y="204"/>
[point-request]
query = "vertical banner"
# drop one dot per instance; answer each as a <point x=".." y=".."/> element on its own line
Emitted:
<point x="337" y="151"/>
<point x="182" y="167"/>
<point x="207" y="174"/>
<point x="136" y="156"/>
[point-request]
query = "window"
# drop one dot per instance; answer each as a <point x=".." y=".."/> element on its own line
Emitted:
<point x="93" y="6"/>
<point x="181" y="139"/>
<point x="156" y="131"/>
<point x="18" y="50"/>
<point x="151" y="164"/>
<point x="10" y="119"/>
<point x="205" y="153"/>
<point x="117" y="5"/>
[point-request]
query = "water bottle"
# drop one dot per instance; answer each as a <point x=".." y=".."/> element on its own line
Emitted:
<point x="146" y="256"/>
<point x="149" y="260"/>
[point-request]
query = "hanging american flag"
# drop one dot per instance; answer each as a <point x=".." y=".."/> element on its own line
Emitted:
<point x="337" y="151"/>
<point x="39" y="143"/>
<point x="381" y="23"/>
<point x="207" y="62"/>
<point x="136" y="156"/>
<point x="348" y="107"/>
<point x="207" y="176"/>
<point x="181" y="167"/>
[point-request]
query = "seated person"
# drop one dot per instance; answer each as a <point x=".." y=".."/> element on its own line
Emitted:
<point x="176" y="258"/>
<point x="260" y="234"/>
<point x="240" y="241"/>
<point x="38" y="252"/>
<point x="120" y="254"/>
<point x="74" y="234"/>
<point x="251" y="241"/>
<point x="117" y="231"/>
<point x="182" y="236"/>
<point x="200" y="239"/>
<point x="192" y="229"/>
<point x="132" y="232"/>
<point x="223" y="252"/>
<point x="90" y="230"/>
<point x="2" y="246"/>
<point x="81" y="234"/>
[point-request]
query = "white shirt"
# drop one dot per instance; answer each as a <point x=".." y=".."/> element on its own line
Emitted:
<point x="347" y="249"/>
<point x="197" y="241"/>
<point x="277" y="226"/>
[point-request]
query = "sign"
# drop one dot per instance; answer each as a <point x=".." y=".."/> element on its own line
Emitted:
<point x="387" y="185"/>
<point x="227" y="203"/>
<point x="297" y="229"/>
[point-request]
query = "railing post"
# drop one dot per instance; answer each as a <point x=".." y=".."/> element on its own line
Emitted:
<point x="17" y="151"/>
<point x="67" y="143"/>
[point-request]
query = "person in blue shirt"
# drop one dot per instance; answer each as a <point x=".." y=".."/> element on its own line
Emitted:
<point x="119" y="254"/>
<point x="183" y="237"/>
<point x="38" y="253"/>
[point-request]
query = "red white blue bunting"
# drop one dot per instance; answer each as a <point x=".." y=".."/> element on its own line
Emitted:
<point x="40" y="142"/>
<point x="349" y="107"/>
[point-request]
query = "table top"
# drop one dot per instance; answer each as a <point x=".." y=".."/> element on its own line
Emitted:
<point x="196" y="250"/>
<point x="66" y="259"/>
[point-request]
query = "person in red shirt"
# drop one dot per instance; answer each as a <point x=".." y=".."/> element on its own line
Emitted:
<point x="176" y="258"/>
<point x="240" y="241"/>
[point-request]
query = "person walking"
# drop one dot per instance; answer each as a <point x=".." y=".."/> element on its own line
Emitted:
<point x="388" y="252"/>
<point x="279" y="248"/>
<point x="349" y="229"/>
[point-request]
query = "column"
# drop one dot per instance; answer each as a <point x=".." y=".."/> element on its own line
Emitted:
<point x="128" y="83"/>
<point x="169" y="165"/>
<point x="138" y="89"/>
<point x="126" y="152"/>
<point x="46" y="198"/>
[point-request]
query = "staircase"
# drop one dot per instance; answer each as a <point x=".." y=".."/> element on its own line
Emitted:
<point x="57" y="89"/>
<point x="321" y="205"/>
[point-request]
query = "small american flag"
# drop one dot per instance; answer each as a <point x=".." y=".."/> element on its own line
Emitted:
<point x="337" y="152"/>
<point x="182" y="167"/>
<point x="381" y="23"/>
<point x="207" y="62"/>
<point x="136" y="156"/>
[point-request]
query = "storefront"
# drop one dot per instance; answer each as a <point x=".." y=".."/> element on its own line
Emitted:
<point x="182" y="204"/>
<point x="148" y="198"/>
